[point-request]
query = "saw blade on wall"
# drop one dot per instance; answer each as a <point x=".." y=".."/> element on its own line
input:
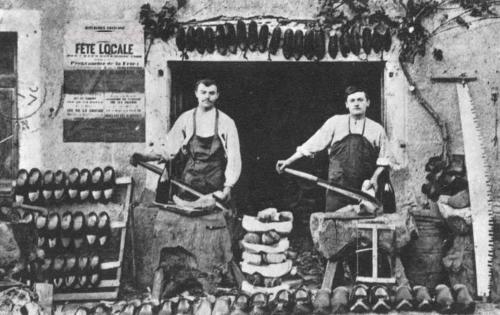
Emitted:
<point x="479" y="191"/>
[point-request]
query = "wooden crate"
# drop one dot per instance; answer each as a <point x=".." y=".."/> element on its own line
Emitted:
<point x="118" y="209"/>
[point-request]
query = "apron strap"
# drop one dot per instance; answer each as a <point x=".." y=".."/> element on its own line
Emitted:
<point x="216" y="131"/>
<point x="194" y="133"/>
<point x="194" y="121"/>
<point x="216" y="126"/>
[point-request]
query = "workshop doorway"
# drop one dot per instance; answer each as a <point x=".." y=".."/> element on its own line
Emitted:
<point x="277" y="106"/>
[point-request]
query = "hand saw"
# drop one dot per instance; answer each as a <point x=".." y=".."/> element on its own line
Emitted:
<point x="357" y="195"/>
<point x="159" y="171"/>
<point x="479" y="190"/>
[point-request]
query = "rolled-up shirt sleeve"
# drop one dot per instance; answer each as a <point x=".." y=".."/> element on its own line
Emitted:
<point x="384" y="156"/>
<point x="233" y="167"/>
<point x="320" y="140"/>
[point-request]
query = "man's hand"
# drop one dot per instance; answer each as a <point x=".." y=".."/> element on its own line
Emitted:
<point x="281" y="165"/>
<point x="370" y="184"/>
<point x="136" y="158"/>
<point x="224" y="194"/>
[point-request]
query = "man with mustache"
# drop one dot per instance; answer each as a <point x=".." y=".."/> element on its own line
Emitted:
<point x="209" y="140"/>
<point x="357" y="148"/>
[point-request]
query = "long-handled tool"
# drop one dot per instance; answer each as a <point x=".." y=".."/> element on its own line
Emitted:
<point x="159" y="171"/>
<point x="359" y="196"/>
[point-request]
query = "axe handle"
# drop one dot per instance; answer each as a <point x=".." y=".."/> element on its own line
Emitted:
<point x="151" y="167"/>
<point x="300" y="174"/>
<point x="356" y="195"/>
<point x="157" y="170"/>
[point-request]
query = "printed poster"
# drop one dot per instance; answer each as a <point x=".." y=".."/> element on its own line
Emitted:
<point x="104" y="82"/>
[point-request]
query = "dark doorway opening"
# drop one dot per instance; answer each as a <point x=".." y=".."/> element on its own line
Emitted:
<point x="276" y="107"/>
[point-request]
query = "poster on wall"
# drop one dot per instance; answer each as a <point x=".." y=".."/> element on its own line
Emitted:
<point x="104" y="82"/>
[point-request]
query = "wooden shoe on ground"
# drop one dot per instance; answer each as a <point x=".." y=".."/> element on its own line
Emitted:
<point x="444" y="299"/>
<point x="359" y="299"/>
<point x="380" y="299"/>
<point x="340" y="300"/>
<point x="464" y="303"/>
<point x="422" y="299"/>
<point x="403" y="300"/>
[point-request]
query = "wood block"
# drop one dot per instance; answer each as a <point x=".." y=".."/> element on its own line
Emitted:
<point x="45" y="295"/>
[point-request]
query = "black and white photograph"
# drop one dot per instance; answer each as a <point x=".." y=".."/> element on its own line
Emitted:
<point x="249" y="157"/>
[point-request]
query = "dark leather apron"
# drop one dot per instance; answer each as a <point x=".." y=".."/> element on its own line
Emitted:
<point x="352" y="160"/>
<point x="206" y="162"/>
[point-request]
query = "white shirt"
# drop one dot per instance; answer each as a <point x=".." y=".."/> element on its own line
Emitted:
<point x="182" y="131"/>
<point x="337" y="127"/>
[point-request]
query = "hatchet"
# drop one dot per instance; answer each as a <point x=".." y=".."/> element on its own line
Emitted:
<point x="368" y="201"/>
<point x="159" y="171"/>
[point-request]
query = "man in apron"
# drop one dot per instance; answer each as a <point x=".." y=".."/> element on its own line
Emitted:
<point x="208" y="138"/>
<point x="357" y="148"/>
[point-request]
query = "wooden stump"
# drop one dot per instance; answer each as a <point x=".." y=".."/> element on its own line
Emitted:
<point x="331" y="235"/>
<point x="423" y="257"/>
<point x="206" y="238"/>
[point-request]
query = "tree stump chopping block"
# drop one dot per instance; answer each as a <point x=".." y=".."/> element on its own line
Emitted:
<point x="330" y="235"/>
<point x="206" y="238"/>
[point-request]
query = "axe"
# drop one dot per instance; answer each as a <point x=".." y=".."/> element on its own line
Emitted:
<point x="157" y="170"/>
<point x="371" y="203"/>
